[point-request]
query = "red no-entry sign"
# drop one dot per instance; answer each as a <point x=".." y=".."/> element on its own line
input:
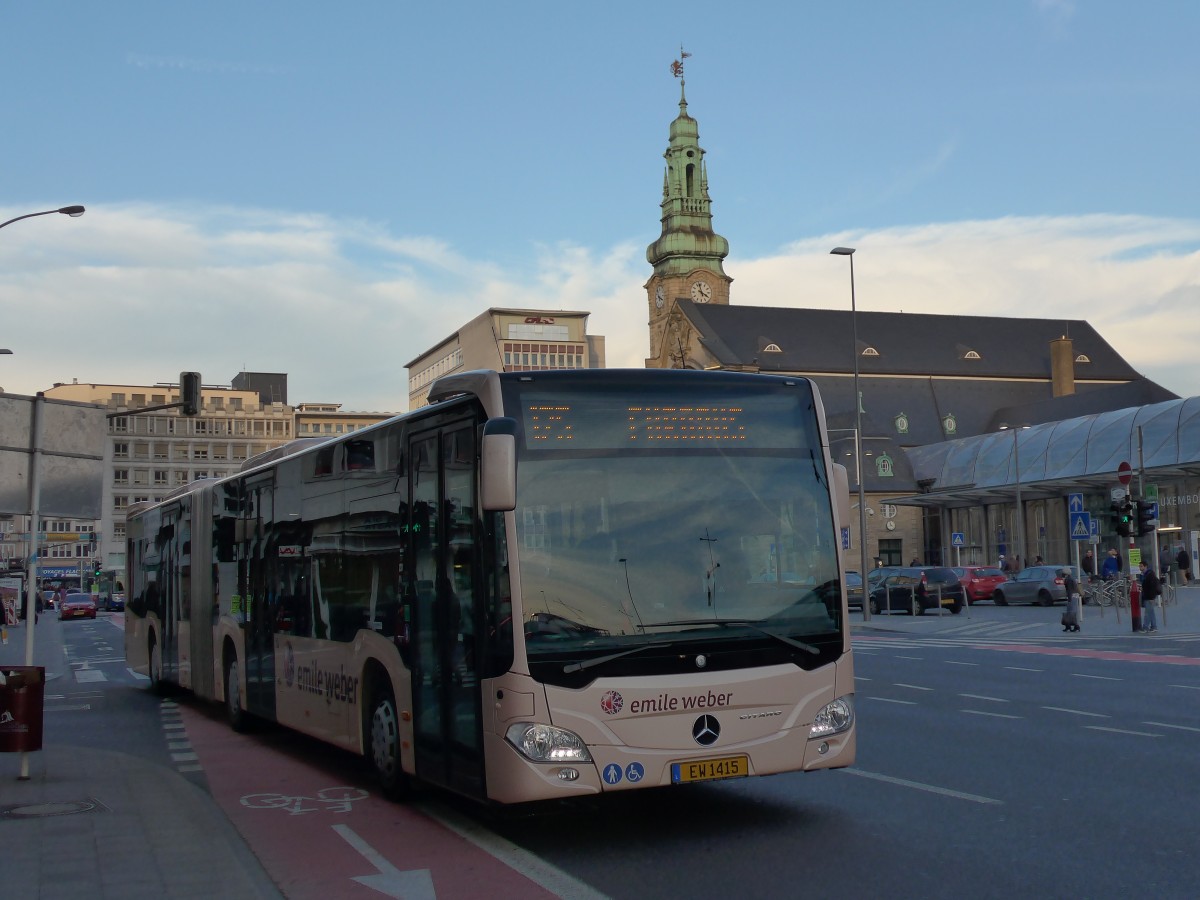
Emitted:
<point x="1124" y="473"/>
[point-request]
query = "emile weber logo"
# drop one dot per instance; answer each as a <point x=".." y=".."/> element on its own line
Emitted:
<point x="311" y="679"/>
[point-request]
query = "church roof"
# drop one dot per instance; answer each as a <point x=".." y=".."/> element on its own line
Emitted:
<point x="900" y="344"/>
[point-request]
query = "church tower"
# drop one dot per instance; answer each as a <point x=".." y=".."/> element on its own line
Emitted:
<point x="687" y="255"/>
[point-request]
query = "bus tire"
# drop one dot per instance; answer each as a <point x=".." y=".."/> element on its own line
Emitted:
<point x="234" y="713"/>
<point x="383" y="742"/>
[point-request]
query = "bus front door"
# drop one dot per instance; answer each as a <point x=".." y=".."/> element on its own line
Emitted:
<point x="443" y="578"/>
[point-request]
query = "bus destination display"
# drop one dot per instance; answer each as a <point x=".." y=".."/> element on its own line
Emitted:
<point x="595" y="424"/>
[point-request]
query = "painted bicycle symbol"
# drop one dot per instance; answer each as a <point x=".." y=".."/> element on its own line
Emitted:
<point x="333" y="799"/>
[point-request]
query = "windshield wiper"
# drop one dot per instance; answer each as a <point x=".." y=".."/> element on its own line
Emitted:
<point x="800" y="645"/>
<point x="601" y="660"/>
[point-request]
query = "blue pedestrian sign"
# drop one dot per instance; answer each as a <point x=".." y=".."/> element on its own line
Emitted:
<point x="958" y="539"/>
<point x="845" y="538"/>
<point x="1075" y="503"/>
<point x="1080" y="526"/>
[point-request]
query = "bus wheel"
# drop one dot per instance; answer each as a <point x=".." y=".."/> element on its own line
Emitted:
<point x="383" y="751"/>
<point x="233" y="696"/>
<point x="155" y="657"/>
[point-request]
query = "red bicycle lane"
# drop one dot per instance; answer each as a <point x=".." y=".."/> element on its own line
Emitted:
<point x="318" y="842"/>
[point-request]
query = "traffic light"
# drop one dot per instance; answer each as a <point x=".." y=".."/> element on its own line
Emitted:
<point x="95" y="567"/>
<point x="1124" y="518"/>
<point x="189" y="392"/>
<point x="1147" y="517"/>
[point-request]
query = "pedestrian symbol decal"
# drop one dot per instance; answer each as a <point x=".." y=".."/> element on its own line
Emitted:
<point x="612" y="774"/>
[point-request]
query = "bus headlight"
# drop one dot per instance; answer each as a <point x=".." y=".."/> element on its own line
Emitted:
<point x="545" y="743"/>
<point x="834" y="718"/>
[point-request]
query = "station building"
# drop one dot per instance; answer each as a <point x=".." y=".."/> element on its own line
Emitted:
<point x="960" y="415"/>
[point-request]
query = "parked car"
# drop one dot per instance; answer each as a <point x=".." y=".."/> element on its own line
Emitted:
<point x="1036" y="584"/>
<point x="77" y="606"/>
<point x="854" y="589"/>
<point x="115" y="602"/>
<point x="915" y="589"/>
<point x="979" y="582"/>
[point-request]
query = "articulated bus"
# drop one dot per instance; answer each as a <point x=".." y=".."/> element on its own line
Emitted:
<point x="543" y="585"/>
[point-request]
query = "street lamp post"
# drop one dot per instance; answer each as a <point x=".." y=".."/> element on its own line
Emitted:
<point x="1004" y="426"/>
<point x="35" y="499"/>
<point x="862" y="491"/>
<point x="73" y="211"/>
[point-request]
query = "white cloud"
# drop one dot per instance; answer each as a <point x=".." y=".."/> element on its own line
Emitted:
<point x="135" y="294"/>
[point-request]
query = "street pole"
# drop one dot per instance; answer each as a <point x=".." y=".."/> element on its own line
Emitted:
<point x="31" y="567"/>
<point x="862" y="491"/>
<point x="1020" y="554"/>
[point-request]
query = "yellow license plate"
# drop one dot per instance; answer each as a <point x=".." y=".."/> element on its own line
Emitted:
<point x="710" y="769"/>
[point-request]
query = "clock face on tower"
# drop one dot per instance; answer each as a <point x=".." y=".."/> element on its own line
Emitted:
<point x="660" y="296"/>
<point x="701" y="292"/>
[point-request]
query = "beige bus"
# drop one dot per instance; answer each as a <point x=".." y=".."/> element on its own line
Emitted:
<point x="543" y="585"/>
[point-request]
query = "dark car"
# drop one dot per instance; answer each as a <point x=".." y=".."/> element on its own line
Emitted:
<point x="1044" y="585"/>
<point x="854" y="589"/>
<point x="115" y="602"/>
<point x="980" y="582"/>
<point x="915" y="589"/>
<point x="77" y="606"/>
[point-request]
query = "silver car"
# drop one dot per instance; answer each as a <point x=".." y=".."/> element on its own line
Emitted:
<point x="1044" y="585"/>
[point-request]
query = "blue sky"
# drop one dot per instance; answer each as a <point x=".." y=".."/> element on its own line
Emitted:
<point x="327" y="190"/>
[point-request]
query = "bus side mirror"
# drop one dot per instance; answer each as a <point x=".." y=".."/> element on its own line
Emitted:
<point x="498" y="465"/>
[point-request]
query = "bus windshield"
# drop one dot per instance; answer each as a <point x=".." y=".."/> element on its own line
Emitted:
<point x="645" y="527"/>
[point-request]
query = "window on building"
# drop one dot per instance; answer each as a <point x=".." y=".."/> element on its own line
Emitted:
<point x="120" y="476"/>
<point x="199" y="453"/>
<point x="160" y="476"/>
<point x="156" y="399"/>
<point x="120" y="425"/>
<point x="120" y="450"/>
<point x="118" y="532"/>
<point x="181" y="477"/>
<point x="118" y="399"/>
<point x="137" y="400"/>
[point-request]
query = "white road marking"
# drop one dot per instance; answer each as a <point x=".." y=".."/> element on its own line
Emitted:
<point x="415" y="884"/>
<point x="1077" y="712"/>
<point x="933" y="789"/>
<point x="955" y="662"/>
<point x="1123" y="731"/>
<point x="1097" y="677"/>
<point x="982" y="697"/>
<point x="184" y="757"/>
<point x="1169" y="725"/>
<point x="519" y="860"/>
<point x="890" y="700"/>
<point x="994" y="715"/>
<point x="1022" y="669"/>
<point x="914" y="687"/>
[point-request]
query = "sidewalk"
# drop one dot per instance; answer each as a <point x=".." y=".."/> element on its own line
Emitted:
<point x="1179" y="618"/>
<point x="100" y="825"/>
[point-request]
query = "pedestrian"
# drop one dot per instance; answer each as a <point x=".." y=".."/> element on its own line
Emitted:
<point x="1072" y="619"/>
<point x="1151" y="598"/>
<point x="1038" y="561"/>
<point x="1112" y="565"/>
<point x="915" y="562"/>
<point x="1184" y="560"/>
<point x="1088" y="564"/>
<point x="1164" y="563"/>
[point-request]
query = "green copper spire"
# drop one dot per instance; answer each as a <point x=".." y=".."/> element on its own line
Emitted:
<point x="688" y="241"/>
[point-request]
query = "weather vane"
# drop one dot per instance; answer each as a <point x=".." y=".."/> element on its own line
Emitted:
<point x="677" y="66"/>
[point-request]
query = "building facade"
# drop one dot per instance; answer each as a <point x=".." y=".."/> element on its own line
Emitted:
<point x="157" y="451"/>
<point x="923" y="381"/>
<point x="508" y="340"/>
